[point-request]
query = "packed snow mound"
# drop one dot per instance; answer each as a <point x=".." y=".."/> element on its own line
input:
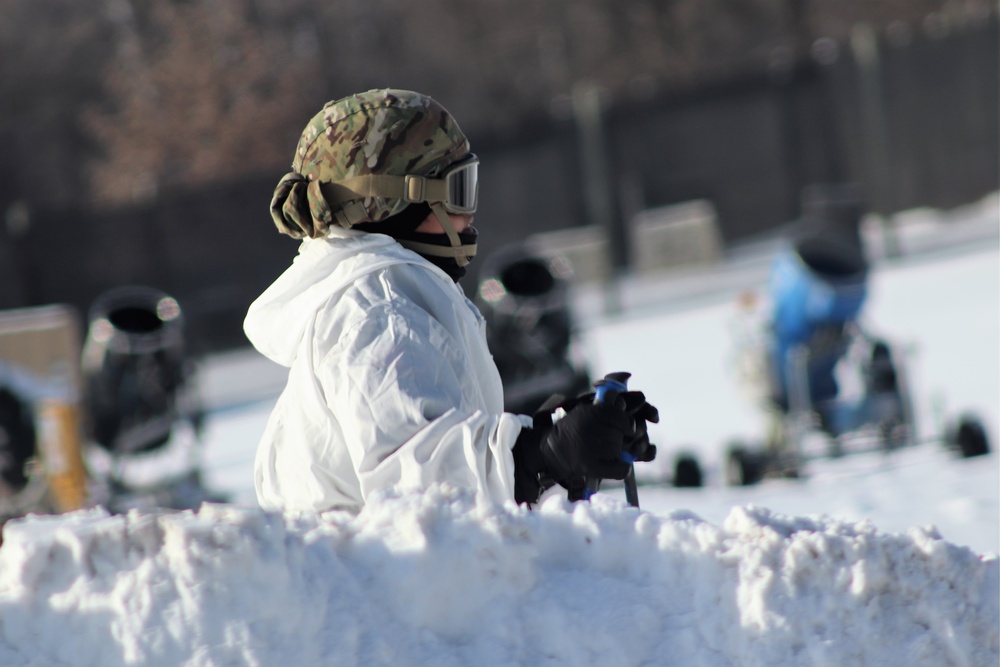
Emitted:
<point x="437" y="579"/>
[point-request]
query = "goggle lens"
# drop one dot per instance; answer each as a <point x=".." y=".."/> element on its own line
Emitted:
<point x="463" y="186"/>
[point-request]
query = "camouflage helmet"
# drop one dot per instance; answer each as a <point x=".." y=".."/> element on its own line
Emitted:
<point x="380" y="132"/>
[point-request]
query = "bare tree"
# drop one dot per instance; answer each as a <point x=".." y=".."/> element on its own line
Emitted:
<point x="209" y="91"/>
<point x="201" y="92"/>
<point x="49" y="55"/>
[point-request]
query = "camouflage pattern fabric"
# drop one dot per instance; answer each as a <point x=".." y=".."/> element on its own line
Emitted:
<point x="393" y="132"/>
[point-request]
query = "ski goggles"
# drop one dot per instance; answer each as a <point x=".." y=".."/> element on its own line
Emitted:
<point x="457" y="188"/>
<point x="462" y="182"/>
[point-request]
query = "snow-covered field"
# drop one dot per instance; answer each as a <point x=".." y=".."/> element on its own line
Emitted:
<point x="868" y="560"/>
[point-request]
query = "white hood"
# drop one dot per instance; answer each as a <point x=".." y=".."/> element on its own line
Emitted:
<point x="278" y="318"/>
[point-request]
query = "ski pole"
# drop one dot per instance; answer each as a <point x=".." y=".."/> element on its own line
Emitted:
<point x="605" y="390"/>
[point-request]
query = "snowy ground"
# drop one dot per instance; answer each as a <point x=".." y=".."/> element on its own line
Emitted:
<point x="431" y="579"/>
<point x="840" y="568"/>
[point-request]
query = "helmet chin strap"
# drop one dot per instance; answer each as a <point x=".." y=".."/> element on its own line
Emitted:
<point x="461" y="253"/>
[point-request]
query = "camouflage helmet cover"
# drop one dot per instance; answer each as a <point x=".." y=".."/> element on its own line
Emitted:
<point x="390" y="132"/>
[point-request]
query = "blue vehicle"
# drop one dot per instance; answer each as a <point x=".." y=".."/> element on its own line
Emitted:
<point x="812" y="339"/>
<point x="817" y="291"/>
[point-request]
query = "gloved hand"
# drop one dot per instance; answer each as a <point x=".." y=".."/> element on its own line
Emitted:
<point x="588" y="442"/>
<point x="642" y="412"/>
<point x="597" y="442"/>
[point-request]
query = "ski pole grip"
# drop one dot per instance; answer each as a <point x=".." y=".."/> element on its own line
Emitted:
<point x="606" y="390"/>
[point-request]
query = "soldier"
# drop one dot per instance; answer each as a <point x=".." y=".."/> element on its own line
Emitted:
<point x="391" y="383"/>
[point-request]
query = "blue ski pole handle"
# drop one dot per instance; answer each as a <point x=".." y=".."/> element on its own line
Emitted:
<point x="606" y="390"/>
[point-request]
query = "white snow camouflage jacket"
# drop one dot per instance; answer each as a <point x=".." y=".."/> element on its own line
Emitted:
<point x="390" y="380"/>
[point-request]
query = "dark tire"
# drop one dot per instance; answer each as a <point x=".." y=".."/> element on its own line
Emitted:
<point x="741" y="468"/>
<point x="687" y="472"/>
<point x="17" y="439"/>
<point x="882" y="376"/>
<point x="969" y="437"/>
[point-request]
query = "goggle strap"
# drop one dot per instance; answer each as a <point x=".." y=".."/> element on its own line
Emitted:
<point x="408" y="188"/>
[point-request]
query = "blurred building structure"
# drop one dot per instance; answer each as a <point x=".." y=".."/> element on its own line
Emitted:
<point x="126" y="173"/>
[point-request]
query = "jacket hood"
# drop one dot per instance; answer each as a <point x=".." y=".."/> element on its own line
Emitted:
<point x="277" y="320"/>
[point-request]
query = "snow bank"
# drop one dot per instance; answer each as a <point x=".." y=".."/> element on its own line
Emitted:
<point x="436" y="579"/>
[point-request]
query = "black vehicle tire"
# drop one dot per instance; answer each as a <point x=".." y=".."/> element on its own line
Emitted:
<point x="687" y="472"/>
<point x="969" y="437"/>
<point x="741" y="468"/>
<point x="17" y="439"/>
<point x="881" y="372"/>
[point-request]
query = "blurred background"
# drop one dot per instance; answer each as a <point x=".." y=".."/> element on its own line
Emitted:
<point x="142" y="140"/>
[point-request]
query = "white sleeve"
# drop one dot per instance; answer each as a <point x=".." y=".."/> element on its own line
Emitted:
<point x="407" y="400"/>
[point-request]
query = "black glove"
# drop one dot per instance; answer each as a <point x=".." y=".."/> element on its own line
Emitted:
<point x="638" y="446"/>
<point x="529" y="469"/>
<point x="590" y="441"/>
<point x="642" y="413"/>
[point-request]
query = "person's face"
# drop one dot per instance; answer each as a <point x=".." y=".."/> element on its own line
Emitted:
<point x="431" y="225"/>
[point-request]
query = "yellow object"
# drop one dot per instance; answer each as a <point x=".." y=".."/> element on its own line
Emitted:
<point x="61" y="449"/>
<point x="41" y="347"/>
